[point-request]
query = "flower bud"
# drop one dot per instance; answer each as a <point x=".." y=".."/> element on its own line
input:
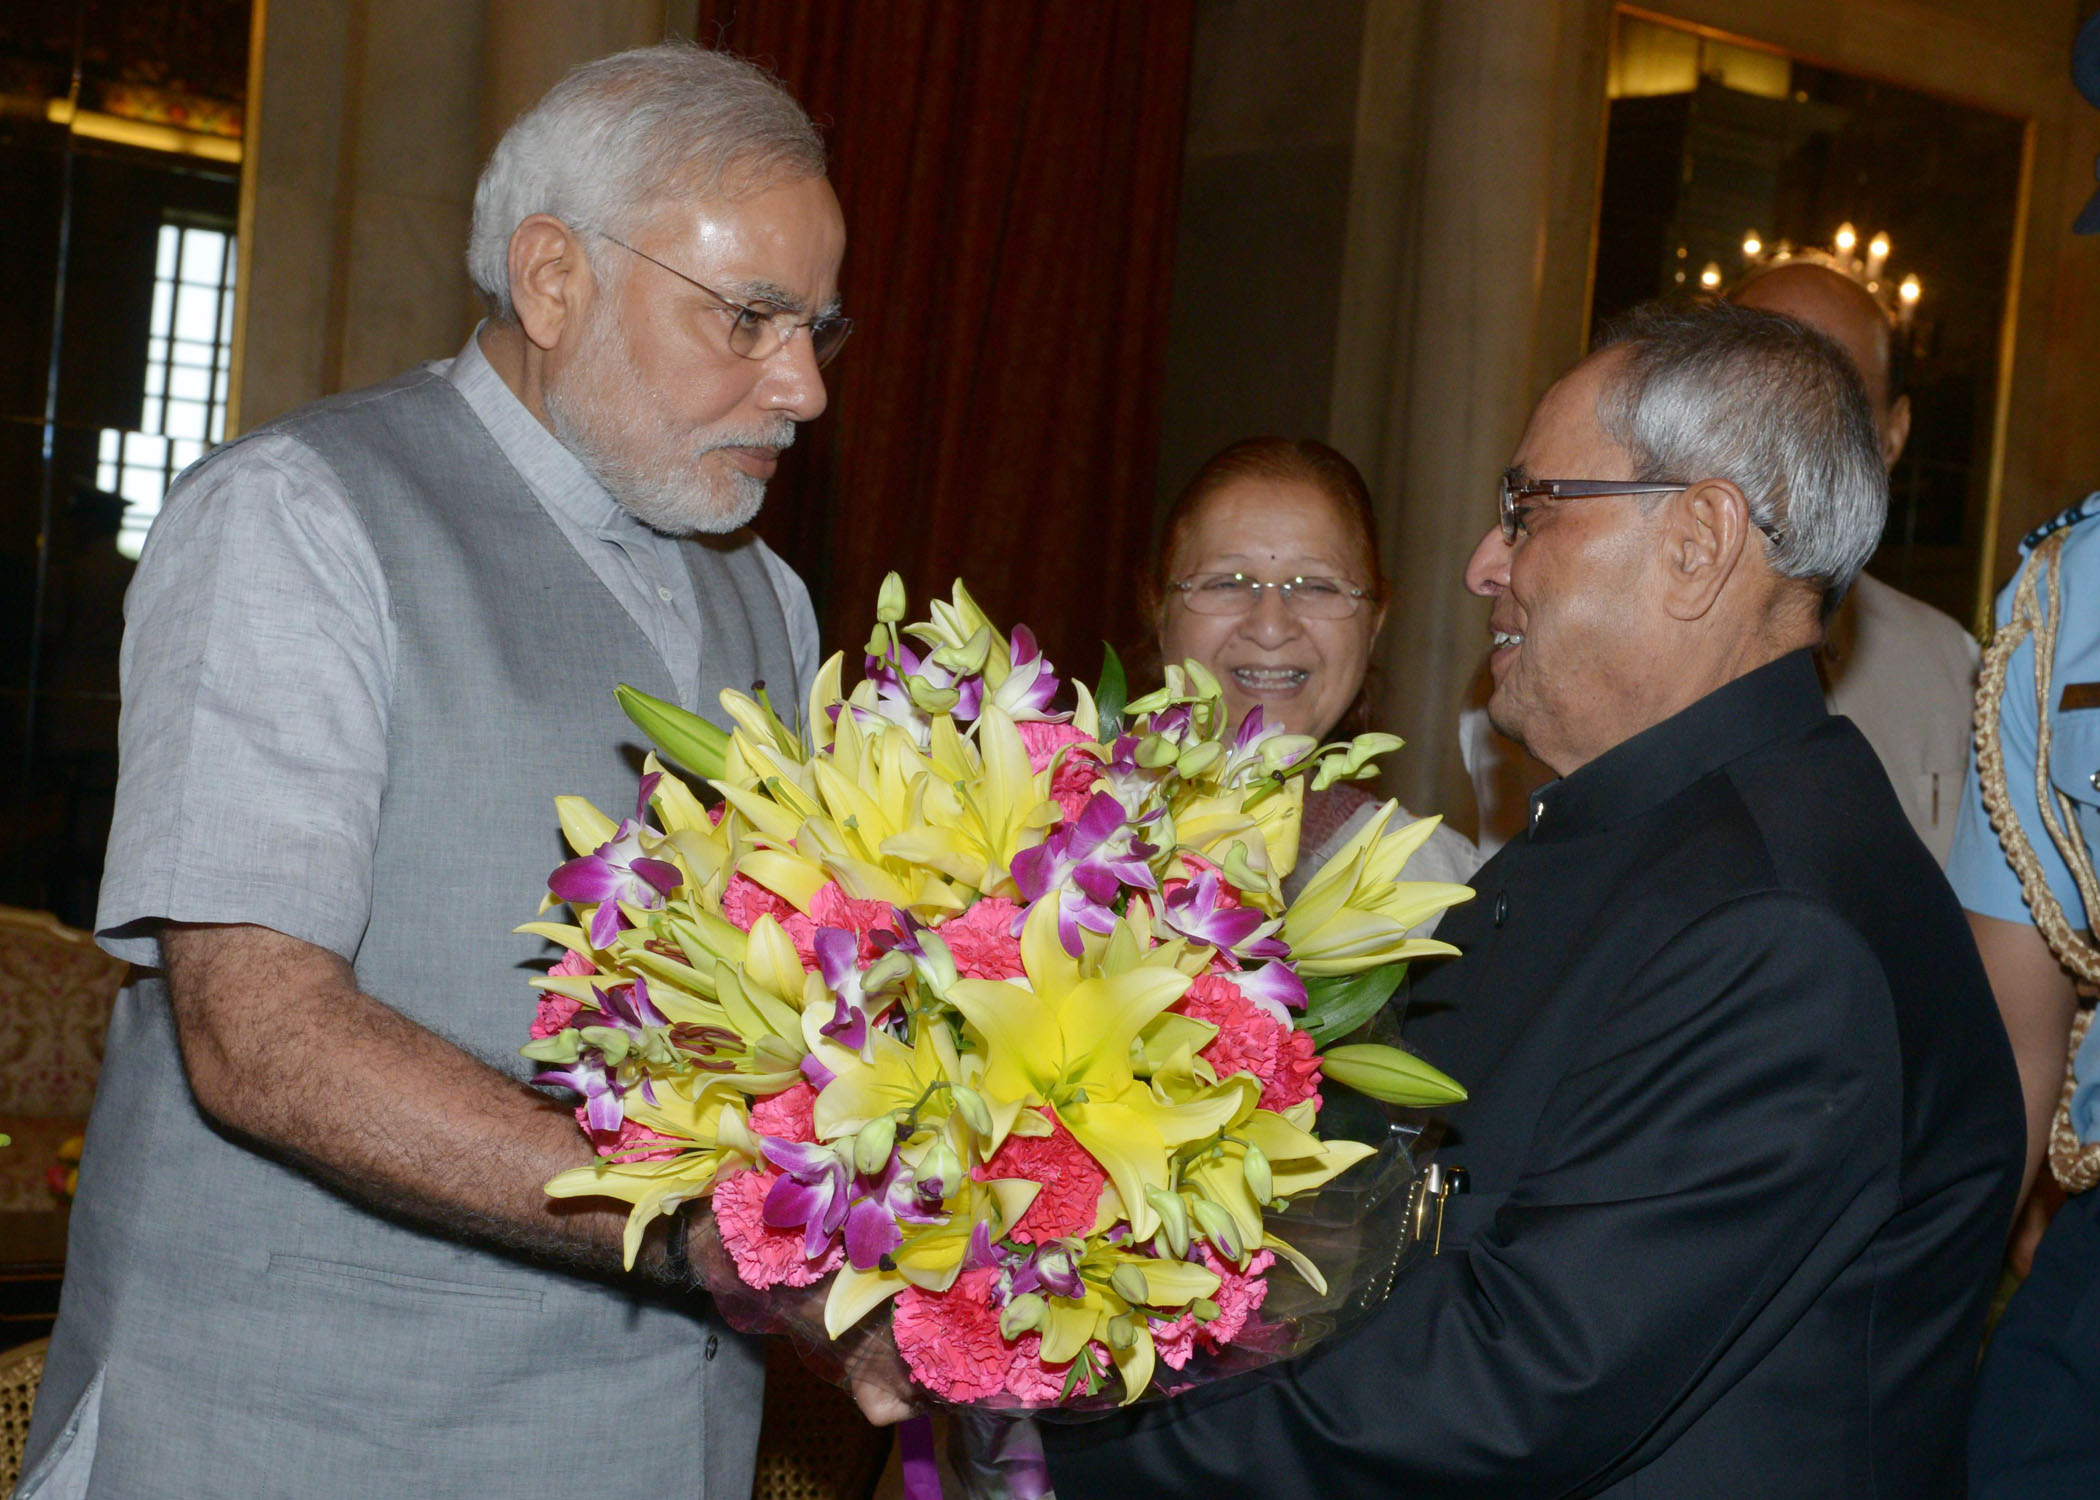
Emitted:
<point x="871" y="1147"/>
<point x="1173" y="1218"/>
<point x="609" y="1040"/>
<point x="562" y="1047"/>
<point x="1122" y="1331"/>
<point x="878" y="644"/>
<point x="971" y="1106"/>
<point x="927" y="698"/>
<point x="1239" y="871"/>
<point x="890" y="600"/>
<point x="1218" y="1228"/>
<point x="1155" y="751"/>
<point x="1205" y="1310"/>
<point x="1256" y="1170"/>
<point x="1198" y="758"/>
<point x="1130" y="1284"/>
<point x="940" y="1169"/>
<point x="1389" y="1074"/>
<point x="1022" y="1315"/>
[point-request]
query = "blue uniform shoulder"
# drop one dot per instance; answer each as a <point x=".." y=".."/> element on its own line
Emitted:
<point x="2084" y="510"/>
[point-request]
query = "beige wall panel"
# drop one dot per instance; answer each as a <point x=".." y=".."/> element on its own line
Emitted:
<point x="289" y="240"/>
<point x="410" y="299"/>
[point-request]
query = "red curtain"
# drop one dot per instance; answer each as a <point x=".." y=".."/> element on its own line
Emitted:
<point x="1009" y="171"/>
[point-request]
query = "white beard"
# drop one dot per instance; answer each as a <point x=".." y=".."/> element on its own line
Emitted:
<point x="602" y="412"/>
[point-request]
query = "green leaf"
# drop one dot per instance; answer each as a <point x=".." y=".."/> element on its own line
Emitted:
<point x="1112" y="694"/>
<point x="699" y="746"/>
<point x="1336" y="1004"/>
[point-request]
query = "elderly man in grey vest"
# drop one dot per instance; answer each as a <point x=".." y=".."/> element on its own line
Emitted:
<point x="368" y="645"/>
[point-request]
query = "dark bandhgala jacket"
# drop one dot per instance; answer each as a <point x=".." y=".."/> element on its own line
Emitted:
<point x="1744" y="1133"/>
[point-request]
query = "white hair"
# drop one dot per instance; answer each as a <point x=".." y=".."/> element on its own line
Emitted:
<point x="1713" y="390"/>
<point x="627" y="131"/>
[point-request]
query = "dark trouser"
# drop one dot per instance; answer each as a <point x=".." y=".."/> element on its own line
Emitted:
<point x="2035" y="1434"/>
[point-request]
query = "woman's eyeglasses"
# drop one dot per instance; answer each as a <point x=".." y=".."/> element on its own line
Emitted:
<point x="1238" y="594"/>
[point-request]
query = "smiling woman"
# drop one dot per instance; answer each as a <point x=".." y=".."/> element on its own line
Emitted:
<point x="1268" y="574"/>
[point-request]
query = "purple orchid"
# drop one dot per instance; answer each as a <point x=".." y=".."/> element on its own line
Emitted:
<point x="1199" y="910"/>
<point x="1128" y="782"/>
<point x="1085" y="865"/>
<point x="893" y="700"/>
<point x="1051" y="1268"/>
<point x="1030" y="685"/>
<point x="884" y="1205"/>
<point x="838" y="954"/>
<point x="925" y="948"/>
<point x="1275" y="987"/>
<point x="617" y="871"/>
<point x="1259" y="746"/>
<point x="811" y="1193"/>
<point x="820" y="1193"/>
<point x="857" y="996"/>
<point x="629" y="1007"/>
<point x="603" y="1107"/>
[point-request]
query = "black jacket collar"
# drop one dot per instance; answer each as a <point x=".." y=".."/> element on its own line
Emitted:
<point x="1780" y="698"/>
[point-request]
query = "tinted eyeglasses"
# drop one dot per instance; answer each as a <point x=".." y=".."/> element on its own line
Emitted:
<point x="1520" y="496"/>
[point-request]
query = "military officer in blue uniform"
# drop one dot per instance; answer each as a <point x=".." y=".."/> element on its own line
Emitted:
<point x="2023" y="867"/>
<point x="2036" y="1430"/>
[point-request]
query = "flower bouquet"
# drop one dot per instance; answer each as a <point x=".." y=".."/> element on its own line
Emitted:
<point x="993" y="1016"/>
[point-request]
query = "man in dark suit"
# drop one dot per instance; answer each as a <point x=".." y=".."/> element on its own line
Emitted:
<point x="1744" y="1131"/>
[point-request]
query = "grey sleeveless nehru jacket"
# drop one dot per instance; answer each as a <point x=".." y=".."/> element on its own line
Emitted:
<point x="230" y="1327"/>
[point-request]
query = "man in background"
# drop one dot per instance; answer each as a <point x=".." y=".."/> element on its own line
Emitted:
<point x="1901" y="670"/>
<point x="367" y="646"/>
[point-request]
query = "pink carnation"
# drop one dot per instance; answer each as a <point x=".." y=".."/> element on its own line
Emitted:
<point x="764" y="1256"/>
<point x="1174" y="1342"/>
<point x="557" y="1011"/>
<point x="790" y="1115"/>
<point x="744" y="901"/>
<point x="982" y="940"/>
<point x="1239" y="1293"/>
<point x="1071" y="1180"/>
<point x="1073" y="781"/>
<point x="631" y="1142"/>
<point x="952" y="1343"/>
<point x="1249" y="1040"/>
<point x="554" y="1014"/>
<point x="951" y="1339"/>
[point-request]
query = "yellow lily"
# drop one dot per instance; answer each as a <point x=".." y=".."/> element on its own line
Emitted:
<point x="1356" y="913"/>
<point x="1067" y="1042"/>
<point x="715" y="1122"/>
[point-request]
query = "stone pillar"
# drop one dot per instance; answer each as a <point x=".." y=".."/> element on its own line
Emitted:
<point x="1385" y="241"/>
<point x="370" y="122"/>
<point x="1488" y="303"/>
<point x="530" y="44"/>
